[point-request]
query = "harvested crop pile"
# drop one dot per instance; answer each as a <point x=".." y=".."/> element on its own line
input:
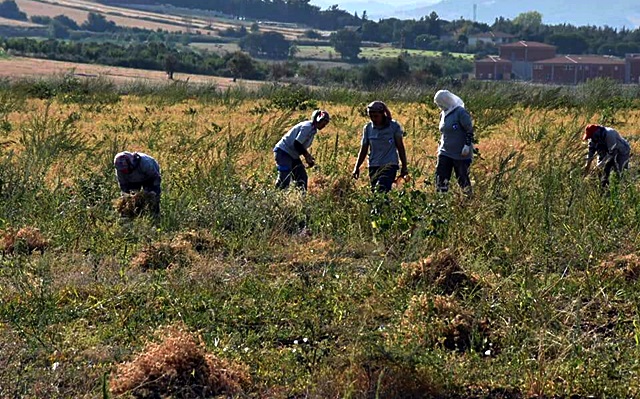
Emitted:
<point x="442" y="270"/>
<point x="164" y="254"/>
<point x="178" y="366"/>
<point x="431" y="321"/>
<point x="201" y="241"/>
<point x="625" y="266"/>
<point x="136" y="204"/>
<point x="25" y="240"/>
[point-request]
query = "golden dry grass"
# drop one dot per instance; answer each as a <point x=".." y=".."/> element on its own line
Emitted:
<point x="178" y="365"/>
<point x="26" y="239"/>
<point x="23" y="67"/>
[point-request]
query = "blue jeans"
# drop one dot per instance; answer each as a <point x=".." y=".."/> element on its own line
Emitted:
<point x="382" y="177"/>
<point x="289" y="167"/>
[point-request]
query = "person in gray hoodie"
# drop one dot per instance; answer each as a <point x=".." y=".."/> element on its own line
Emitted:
<point x="295" y="144"/>
<point x="612" y="149"/>
<point x="455" y="151"/>
<point x="137" y="171"/>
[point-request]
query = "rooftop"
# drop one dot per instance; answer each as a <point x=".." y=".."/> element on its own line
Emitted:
<point x="494" y="59"/>
<point x="583" y="59"/>
<point x="523" y="43"/>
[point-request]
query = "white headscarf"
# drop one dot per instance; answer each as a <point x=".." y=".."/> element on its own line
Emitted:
<point x="447" y="102"/>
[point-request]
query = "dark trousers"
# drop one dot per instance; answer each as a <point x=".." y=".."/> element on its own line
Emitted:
<point x="289" y="167"/>
<point x="382" y="177"/>
<point x="618" y="163"/>
<point x="443" y="173"/>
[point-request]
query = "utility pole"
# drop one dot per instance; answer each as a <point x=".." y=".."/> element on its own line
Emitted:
<point x="475" y="12"/>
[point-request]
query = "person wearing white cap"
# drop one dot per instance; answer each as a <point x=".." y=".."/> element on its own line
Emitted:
<point x="293" y="145"/>
<point x="455" y="151"/>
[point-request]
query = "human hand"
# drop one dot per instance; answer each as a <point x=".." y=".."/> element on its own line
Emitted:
<point x="466" y="150"/>
<point x="310" y="160"/>
<point x="356" y="173"/>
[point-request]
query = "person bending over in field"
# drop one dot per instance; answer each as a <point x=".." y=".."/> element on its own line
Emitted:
<point x="455" y="151"/>
<point x="382" y="140"/>
<point x="612" y="149"/>
<point x="294" y="144"/>
<point x="138" y="171"/>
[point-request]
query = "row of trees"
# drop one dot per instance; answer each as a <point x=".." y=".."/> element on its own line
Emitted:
<point x="293" y="11"/>
<point x="159" y="56"/>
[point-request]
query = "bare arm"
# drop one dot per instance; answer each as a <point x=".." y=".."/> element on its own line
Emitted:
<point x="364" y="149"/>
<point x="403" y="155"/>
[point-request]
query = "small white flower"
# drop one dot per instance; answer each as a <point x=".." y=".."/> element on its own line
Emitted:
<point x="246" y="349"/>
<point x="295" y="342"/>
<point x="487" y="352"/>
<point x="305" y="340"/>
<point x="55" y="365"/>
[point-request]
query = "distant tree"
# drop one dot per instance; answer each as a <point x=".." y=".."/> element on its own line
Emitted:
<point x="40" y="19"/>
<point x="370" y="77"/>
<point x="268" y="44"/>
<point x="424" y="42"/>
<point x="347" y="43"/>
<point x="312" y="34"/>
<point x="98" y="23"/>
<point x="9" y="9"/>
<point x="66" y="21"/>
<point x="170" y="65"/>
<point x="293" y="51"/>
<point x="255" y="27"/>
<point x="364" y="15"/>
<point x="241" y="65"/>
<point x="394" y="69"/>
<point x="58" y="30"/>
<point x="569" y="43"/>
<point x="531" y="20"/>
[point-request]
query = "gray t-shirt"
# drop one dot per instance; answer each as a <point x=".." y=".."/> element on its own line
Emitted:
<point x="382" y="143"/>
<point x="456" y="131"/>
<point x="303" y="132"/>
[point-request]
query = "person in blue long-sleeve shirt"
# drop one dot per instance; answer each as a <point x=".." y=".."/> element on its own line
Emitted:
<point x="138" y="171"/>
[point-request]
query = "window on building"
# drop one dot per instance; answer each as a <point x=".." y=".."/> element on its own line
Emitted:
<point x="586" y="67"/>
<point x="568" y="67"/>
<point x="538" y="67"/>
<point x="615" y="68"/>
<point x="480" y="75"/>
<point x="600" y="68"/>
<point x="490" y="76"/>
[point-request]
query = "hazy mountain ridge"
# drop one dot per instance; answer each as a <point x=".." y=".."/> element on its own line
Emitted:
<point x="586" y="12"/>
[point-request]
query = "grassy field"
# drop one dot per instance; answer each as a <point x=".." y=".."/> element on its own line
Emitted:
<point x="126" y="17"/>
<point x="16" y="68"/>
<point x="529" y="288"/>
<point x="372" y="53"/>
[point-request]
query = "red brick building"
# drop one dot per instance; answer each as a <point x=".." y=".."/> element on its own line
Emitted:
<point x="527" y="51"/>
<point x="493" y="68"/>
<point x="632" y="68"/>
<point x="574" y="69"/>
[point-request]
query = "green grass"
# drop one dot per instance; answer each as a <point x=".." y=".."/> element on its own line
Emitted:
<point x="326" y="52"/>
<point x="530" y="288"/>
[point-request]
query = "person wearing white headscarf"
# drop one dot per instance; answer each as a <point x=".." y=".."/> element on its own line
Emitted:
<point x="455" y="151"/>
